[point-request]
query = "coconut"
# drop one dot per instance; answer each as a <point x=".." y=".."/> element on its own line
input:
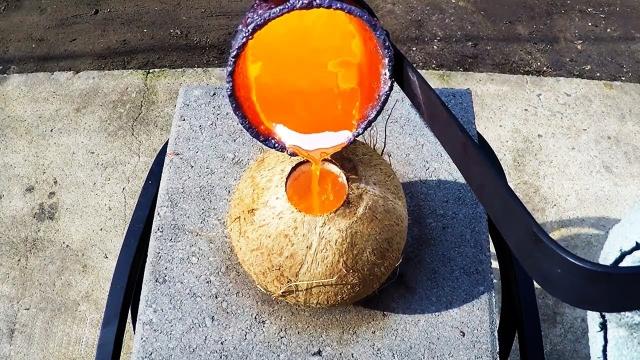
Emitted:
<point x="336" y="258"/>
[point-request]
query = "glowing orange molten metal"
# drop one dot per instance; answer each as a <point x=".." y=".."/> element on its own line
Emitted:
<point x="330" y="188"/>
<point x="308" y="78"/>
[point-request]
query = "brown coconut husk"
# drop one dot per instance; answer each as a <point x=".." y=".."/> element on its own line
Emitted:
<point x="336" y="258"/>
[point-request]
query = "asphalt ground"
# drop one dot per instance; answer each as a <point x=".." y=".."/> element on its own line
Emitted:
<point x="591" y="39"/>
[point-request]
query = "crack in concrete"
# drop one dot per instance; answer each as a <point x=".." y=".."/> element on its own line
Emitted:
<point x="603" y="317"/>
<point x="136" y="137"/>
<point x="124" y="211"/>
<point x="605" y="336"/>
<point x="12" y="327"/>
<point x="624" y="254"/>
<point x="145" y="91"/>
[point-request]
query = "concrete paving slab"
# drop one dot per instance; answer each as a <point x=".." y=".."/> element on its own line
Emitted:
<point x="569" y="148"/>
<point x="75" y="149"/>
<point x="571" y="152"/>
<point x="197" y="302"/>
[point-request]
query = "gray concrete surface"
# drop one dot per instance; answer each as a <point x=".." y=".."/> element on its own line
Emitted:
<point x="569" y="148"/>
<point x="617" y="335"/>
<point x="75" y="149"/>
<point x="198" y="303"/>
<point x="571" y="152"/>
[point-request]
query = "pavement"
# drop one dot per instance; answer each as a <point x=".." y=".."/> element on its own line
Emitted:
<point x="591" y="39"/>
<point x="76" y="148"/>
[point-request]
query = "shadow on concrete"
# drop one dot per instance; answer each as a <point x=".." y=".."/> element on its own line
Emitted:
<point x="583" y="236"/>
<point x="564" y="327"/>
<point x="446" y="259"/>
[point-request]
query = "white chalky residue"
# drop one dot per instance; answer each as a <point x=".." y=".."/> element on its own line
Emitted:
<point x="310" y="142"/>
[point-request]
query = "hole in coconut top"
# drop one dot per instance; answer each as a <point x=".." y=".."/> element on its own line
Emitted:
<point x="310" y="77"/>
<point x="316" y="190"/>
